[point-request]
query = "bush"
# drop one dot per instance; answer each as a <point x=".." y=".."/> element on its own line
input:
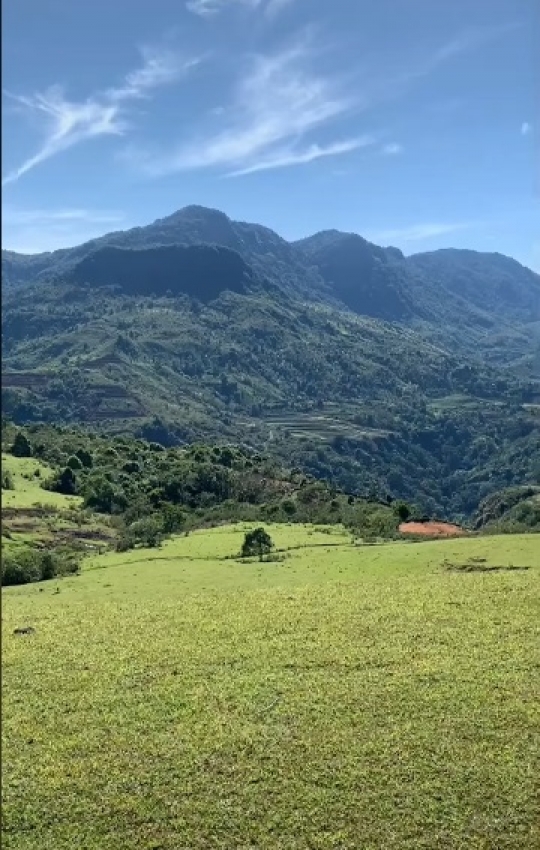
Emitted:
<point x="403" y="511"/>
<point x="21" y="446"/>
<point x="289" y="507"/>
<point x="85" y="458"/>
<point x="65" y="482"/>
<point x="74" y="463"/>
<point x="146" y="532"/>
<point x="257" y="543"/>
<point x="31" y="565"/>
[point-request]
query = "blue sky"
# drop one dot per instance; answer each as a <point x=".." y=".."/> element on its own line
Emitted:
<point x="413" y="122"/>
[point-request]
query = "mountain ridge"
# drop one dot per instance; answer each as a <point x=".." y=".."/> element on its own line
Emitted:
<point x="350" y="360"/>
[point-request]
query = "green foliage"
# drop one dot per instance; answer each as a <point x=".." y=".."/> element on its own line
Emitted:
<point x="513" y="510"/>
<point x="403" y="511"/>
<point x="147" y="532"/>
<point x="31" y="565"/>
<point x="85" y="458"/>
<point x="398" y="408"/>
<point x="103" y="496"/>
<point x="74" y="463"/>
<point x="257" y="543"/>
<point x="64" y="482"/>
<point x="21" y="446"/>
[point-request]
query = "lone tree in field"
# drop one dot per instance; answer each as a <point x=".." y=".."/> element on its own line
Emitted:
<point x="21" y="447"/>
<point x="257" y="542"/>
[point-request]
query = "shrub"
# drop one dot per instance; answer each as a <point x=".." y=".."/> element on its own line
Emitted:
<point x="74" y="463"/>
<point x="65" y="482"/>
<point x="403" y="511"/>
<point x="146" y="532"/>
<point x="289" y="507"/>
<point x="85" y="458"/>
<point x="257" y="543"/>
<point x="31" y="565"/>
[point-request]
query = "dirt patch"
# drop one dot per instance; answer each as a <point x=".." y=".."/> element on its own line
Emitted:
<point x="78" y="534"/>
<point x="480" y="565"/>
<point x="432" y="529"/>
<point x="20" y="513"/>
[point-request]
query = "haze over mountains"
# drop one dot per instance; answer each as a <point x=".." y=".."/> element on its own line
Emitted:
<point x="375" y="370"/>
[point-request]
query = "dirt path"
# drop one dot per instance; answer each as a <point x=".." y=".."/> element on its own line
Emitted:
<point x="432" y="529"/>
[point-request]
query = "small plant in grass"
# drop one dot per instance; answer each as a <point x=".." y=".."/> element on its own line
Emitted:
<point x="257" y="543"/>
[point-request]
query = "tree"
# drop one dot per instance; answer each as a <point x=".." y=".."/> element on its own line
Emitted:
<point x="75" y="463"/>
<point x="257" y="542"/>
<point x="403" y="511"/>
<point x="65" y="482"/>
<point x="21" y="446"/>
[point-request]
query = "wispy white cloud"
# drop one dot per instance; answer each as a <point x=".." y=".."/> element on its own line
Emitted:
<point x="392" y="149"/>
<point x="273" y="7"/>
<point x="69" y="122"/>
<point x="273" y="108"/>
<point x="32" y="231"/>
<point x="160" y="68"/>
<point x="209" y="8"/>
<point x="472" y="38"/>
<point x="14" y="216"/>
<point x="315" y="151"/>
<point x="468" y="40"/>
<point x="526" y="128"/>
<point x="416" y="232"/>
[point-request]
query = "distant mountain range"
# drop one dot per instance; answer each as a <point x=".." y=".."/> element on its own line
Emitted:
<point x="481" y="303"/>
<point x="370" y="368"/>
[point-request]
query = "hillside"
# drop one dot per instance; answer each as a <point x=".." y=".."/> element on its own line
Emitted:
<point x="484" y="306"/>
<point x="332" y="354"/>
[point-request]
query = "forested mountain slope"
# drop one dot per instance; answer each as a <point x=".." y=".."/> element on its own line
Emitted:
<point x="383" y="374"/>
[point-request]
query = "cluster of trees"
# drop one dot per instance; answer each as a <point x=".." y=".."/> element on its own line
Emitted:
<point x="151" y="491"/>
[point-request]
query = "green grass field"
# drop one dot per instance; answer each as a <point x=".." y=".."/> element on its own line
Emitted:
<point x="34" y="516"/>
<point x="345" y="697"/>
<point x="27" y="491"/>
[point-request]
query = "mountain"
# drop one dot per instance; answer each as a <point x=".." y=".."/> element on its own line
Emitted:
<point x="264" y="251"/>
<point x="483" y="305"/>
<point x="371" y="281"/>
<point x="200" y="271"/>
<point x="385" y="375"/>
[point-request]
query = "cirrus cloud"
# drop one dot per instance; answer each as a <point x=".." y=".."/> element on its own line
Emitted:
<point x="103" y="114"/>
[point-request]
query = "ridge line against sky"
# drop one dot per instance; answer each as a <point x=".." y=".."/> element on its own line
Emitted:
<point x="284" y="100"/>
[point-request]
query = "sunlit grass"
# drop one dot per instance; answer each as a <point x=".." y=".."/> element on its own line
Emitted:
<point x="27" y="491"/>
<point x="348" y="697"/>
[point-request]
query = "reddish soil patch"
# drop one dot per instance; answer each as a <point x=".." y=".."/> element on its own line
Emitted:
<point x="432" y="529"/>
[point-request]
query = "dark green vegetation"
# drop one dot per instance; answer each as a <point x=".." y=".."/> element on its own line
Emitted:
<point x="384" y="375"/>
<point x="257" y="542"/>
<point x="128" y="493"/>
<point x="514" y="509"/>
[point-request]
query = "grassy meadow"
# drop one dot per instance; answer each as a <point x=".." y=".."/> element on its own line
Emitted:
<point x="33" y="516"/>
<point x="343" y="697"/>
